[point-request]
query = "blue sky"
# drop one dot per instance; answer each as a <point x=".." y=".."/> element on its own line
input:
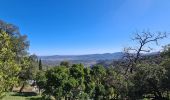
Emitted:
<point x="65" y="27"/>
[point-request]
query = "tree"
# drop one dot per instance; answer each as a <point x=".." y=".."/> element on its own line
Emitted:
<point x="148" y="80"/>
<point x="29" y="69"/>
<point x="89" y="83"/>
<point x="19" y="42"/>
<point x="116" y="84"/>
<point x="133" y="55"/>
<point x="166" y="51"/>
<point x="57" y="77"/>
<point x="70" y="88"/>
<point x="77" y="72"/>
<point x="65" y="63"/>
<point x="133" y="59"/>
<point x="40" y="65"/>
<point x="98" y="73"/>
<point x="40" y="80"/>
<point x="9" y="68"/>
<point x="166" y="64"/>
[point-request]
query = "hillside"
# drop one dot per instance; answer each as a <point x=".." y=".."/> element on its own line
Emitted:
<point x="85" y="59"/>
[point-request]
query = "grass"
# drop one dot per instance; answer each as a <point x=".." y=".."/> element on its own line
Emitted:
<point x="23" y="96"/>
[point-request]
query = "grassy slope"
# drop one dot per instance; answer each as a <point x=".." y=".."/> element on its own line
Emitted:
<point x="13" y="96"/>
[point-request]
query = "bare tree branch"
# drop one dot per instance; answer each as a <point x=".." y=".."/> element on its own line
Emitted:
<point x="133" y="55"/>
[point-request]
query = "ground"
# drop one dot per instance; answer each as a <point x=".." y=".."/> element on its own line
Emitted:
<point x="27" y="94"/>
<point x="23" y="96"/>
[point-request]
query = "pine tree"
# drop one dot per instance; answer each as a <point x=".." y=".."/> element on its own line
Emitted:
<point x="40" y="65"/>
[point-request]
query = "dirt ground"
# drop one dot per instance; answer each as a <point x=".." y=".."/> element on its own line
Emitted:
<point x="26" y="89"/>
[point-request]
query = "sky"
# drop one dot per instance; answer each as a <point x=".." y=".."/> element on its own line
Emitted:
<point x="73" y="27"/>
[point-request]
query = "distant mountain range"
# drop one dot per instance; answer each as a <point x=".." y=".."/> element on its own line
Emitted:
<point x="84" y="59"/>
<point x="87" y="60"/>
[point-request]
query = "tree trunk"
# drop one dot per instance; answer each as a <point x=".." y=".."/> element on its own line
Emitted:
<point x="39" y="90"/>
<point x="21" y="89"/>
<point x="11" y="89"/>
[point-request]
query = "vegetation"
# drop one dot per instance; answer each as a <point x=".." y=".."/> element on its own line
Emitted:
<point x="13" y="48"/>
<point x="9" y="68"/>
<point x="136" y="76"/>
<point x="16" y="96"/>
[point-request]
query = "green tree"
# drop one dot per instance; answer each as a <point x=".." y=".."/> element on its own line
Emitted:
<point x="146" y="82"/>
<point x="166" y="64"/>
<point x="29" y="69"/>
<point x="19" y="42"/>
<point x="77" y="72"/>
<point x="70" y="88"/>
<point x="98" y="73"/>
<point x="40" y="65"/>
<point x="89" y="83"/>
<point x="9" y="68"/>
<point x="57" y="77"/>
<point x="65" y="63"/>
<point x="115" y="84"/>
<point x="40" y="80"/>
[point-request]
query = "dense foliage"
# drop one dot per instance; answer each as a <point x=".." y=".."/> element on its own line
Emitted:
<point x="9" y="68"/>
<point x="15" y="63"/>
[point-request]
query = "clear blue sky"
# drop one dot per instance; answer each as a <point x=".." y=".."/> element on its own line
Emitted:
<point x="84" y="26"/>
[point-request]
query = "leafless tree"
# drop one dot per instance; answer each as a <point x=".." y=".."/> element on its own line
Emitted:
<point x="143" y="39"/>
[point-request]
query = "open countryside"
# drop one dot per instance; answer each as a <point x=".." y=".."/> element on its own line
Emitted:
<point x="84" y="50"/>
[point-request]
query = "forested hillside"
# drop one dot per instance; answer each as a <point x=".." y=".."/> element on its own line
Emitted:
<point x="134" y="76"/>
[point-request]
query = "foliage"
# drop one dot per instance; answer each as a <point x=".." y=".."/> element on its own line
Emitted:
<point x="29" y="69"/>
<point x="40" y="65"/>
<point x="9" y="68"/>
<point x="40" y="80"/>
<point x="56" y="80"/>
<point x="65" y="63"/>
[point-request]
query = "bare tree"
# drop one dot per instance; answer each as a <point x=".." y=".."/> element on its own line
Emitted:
<point x="143" y="39"/>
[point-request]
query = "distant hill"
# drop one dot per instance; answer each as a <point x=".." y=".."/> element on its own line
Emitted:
<point x="84" y="59"/>
<point x="87" y="60"/>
